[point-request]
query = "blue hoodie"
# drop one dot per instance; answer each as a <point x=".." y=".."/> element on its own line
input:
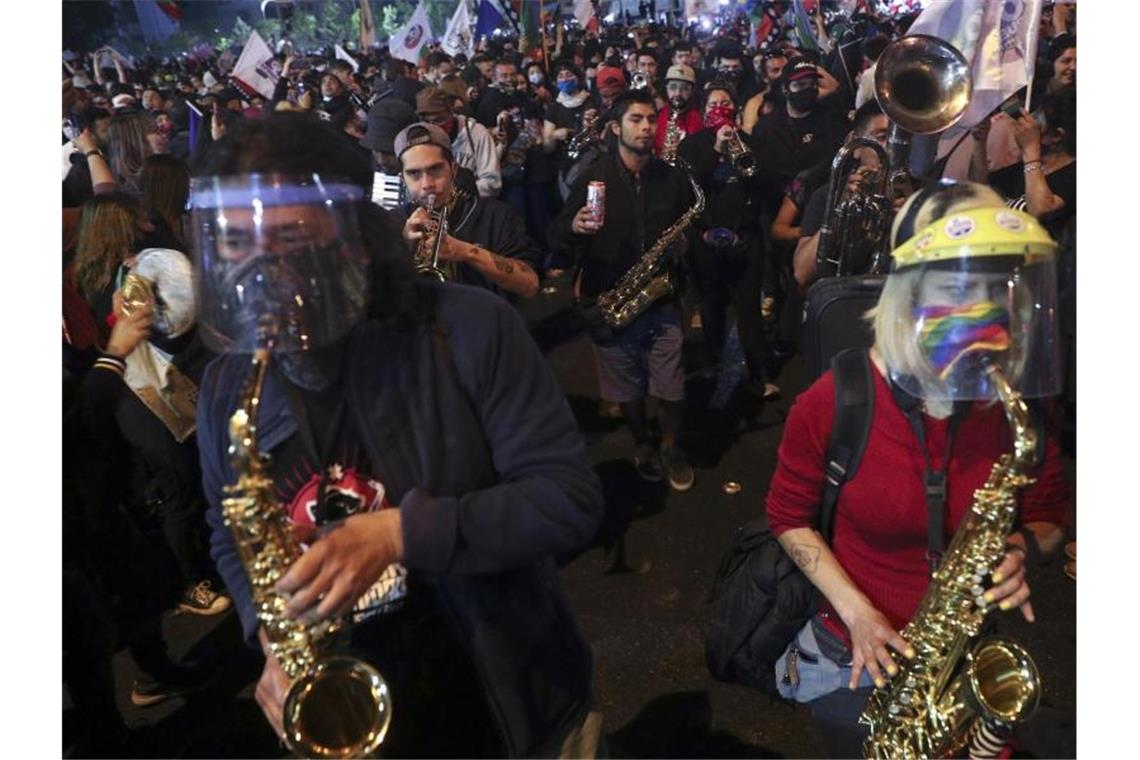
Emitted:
<point x="465" y="425"/>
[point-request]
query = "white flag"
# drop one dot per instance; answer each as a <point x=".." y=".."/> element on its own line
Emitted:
<point x="343" y="55"/>
<point x="583" y="11"/>
<point x="694" y="9"/>
<point x="254" y="67"/>
<point x="1000" y="42"/>
<point x="407" y="42"/>
<point x="459" y="37"/>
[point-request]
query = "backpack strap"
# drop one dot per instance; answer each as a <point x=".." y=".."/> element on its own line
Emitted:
<point x="854" y="409"/>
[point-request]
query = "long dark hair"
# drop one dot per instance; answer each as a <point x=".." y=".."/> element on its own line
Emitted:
<point x="300" y="144"/>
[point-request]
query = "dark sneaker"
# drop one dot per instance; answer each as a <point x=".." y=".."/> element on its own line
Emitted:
<point x="677" y="469"/>
<point x="147" y="691"/>
<point x="145" y="694"/>
<point x="203" y="600"/>
<point x="647" y="462"/>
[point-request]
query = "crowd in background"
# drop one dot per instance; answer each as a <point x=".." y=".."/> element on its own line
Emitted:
<point x="525" y="124"/>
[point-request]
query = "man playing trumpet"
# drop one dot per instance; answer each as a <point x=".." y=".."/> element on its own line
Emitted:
<point x="486" y="244"/>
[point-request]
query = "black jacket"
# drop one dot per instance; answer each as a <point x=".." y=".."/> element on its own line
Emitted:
<point x="636" y="217"/>
<point x="729" y="197"/>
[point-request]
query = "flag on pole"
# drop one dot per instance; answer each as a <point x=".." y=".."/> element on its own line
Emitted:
<point x="367" y="27"/>
<point x="584" y="12"/>
<point x="409" y="43"/>
<point x="766" y="16"/>
<point x="459" y="38"/>
<point x="342" y="55"/>
<point x="529" y="13"/>
<point x="804" y="27"/>
<point x="254" y="70"/>
<point x="489" y="18"/>
<point x="999" y="40"/>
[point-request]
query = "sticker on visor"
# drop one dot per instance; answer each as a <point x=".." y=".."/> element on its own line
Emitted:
<point x="1007" y="220"/>
<point x="959" y="227"/>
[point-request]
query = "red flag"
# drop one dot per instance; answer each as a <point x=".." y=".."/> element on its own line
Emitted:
<point x="171" y="9"/>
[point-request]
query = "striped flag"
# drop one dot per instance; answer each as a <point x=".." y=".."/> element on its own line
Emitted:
<point x="804" y="27"/>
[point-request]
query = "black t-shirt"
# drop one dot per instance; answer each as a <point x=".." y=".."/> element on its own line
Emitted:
<point x="786" y="146"/>
<point x="326" y="455"/>
<point x="1010" y="182"/>
<point x="399" y="626"/>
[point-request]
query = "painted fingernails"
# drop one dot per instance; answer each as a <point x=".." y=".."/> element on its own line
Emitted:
<point x="1005" y="605"/>
<point x="892" y="670"/>
<point x="988" y="597"/>
<point x="998" y="577"/>
<point x="880" y="683"/>
<point x="911" y="654"/>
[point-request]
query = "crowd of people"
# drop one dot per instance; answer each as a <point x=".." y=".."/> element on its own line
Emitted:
<point x="418" y="439"/>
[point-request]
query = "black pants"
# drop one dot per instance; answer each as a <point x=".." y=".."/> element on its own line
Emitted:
<point x="438" y="705"/>
<point x="836" y="717"/>
<point x="171" y="485"/>
<point x="732" y="277"/>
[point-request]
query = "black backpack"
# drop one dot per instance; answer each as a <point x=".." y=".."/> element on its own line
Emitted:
<point x="760" y="599"/>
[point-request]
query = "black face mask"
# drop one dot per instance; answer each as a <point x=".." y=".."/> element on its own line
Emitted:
<point x="729" y="75"/>
<point x="804" y="100"/>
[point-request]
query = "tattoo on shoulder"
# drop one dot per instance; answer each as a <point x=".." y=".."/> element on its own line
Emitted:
<point x="805" y="556"/>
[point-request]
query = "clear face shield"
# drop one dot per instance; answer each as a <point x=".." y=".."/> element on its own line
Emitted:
<point x="951" y="319"/>
<point x="277" y="257"/>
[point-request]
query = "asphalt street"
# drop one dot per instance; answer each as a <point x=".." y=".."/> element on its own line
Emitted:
<point x="639" y="595"/>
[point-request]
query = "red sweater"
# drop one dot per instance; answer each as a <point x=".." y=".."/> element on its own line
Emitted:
<point x="880" y="520"/>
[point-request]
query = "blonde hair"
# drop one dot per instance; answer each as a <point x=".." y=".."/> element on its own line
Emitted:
<point x="108" y="231"/>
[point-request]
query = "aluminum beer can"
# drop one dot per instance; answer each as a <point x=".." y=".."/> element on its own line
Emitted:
<point x="596" y="200"/>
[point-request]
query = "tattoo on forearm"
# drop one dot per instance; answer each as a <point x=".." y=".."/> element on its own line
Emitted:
<point x="503" y="265"/>
<point x="806" y="557"/>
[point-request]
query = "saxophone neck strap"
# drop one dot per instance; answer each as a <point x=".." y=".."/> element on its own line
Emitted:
<point x="934" y="480"/>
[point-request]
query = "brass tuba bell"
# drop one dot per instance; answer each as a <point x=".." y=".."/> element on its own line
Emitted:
<point x="923" y="85"/>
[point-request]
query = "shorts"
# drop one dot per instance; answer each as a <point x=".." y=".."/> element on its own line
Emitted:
<point x="646" y="355"/>
<point x="805" y="674"/>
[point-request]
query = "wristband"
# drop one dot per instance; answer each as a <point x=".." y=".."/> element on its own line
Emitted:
<point x="1033" y="166"/>
<point x="91" y="153"/>
<point x="111" y="363"/>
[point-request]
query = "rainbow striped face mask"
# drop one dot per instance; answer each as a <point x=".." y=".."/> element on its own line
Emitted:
<point x="949" y="333"/>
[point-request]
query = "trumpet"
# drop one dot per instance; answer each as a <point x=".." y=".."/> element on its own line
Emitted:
<point x="639" y="81"/>
<point x="743" y="160"/>
<point x="427" y="261"/>
<point x="589" y="134"/>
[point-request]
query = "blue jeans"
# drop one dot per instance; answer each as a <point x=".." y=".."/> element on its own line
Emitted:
<point x="820" y="681"/>
<point x="813" y="675"/>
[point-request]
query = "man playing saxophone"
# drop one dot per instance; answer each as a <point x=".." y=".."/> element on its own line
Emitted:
<point x="486" y="244"/>
<point x="417" y="442"/>
<point x="681" y="116"/>
<point x="972" y="290"/>
<point x="644" y="196"/>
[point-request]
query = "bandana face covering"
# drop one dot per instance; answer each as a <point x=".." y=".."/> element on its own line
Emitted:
<point x="950" y="333"/>
<point x="718" y="116"/>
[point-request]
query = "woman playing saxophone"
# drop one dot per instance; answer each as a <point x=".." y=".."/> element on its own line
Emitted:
<point x="946" y="315"/>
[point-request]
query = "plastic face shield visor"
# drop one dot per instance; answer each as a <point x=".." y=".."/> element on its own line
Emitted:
<point x="961" y="320"/>
<point x="993" y="304"/>
<point x="278" y="257"/>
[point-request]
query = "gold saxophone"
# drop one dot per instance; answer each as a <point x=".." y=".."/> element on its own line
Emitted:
<point x="672" y="135"/>
<point x="643" y="283"/>
<point x="337" y="706"/>
<point x="930" y="708"/>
